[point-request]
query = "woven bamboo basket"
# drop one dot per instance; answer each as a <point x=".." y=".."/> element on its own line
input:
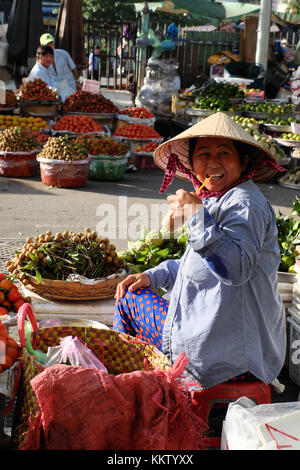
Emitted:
<point x="74" y="290"/>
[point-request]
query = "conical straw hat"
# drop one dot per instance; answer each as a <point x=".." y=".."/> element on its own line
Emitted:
<point x="218" y="125"/>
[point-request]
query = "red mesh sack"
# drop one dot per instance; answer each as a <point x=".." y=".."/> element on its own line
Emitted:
<point x="89" y="409"/>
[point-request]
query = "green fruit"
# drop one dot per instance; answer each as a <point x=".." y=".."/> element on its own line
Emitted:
<point x="287" y="261"/>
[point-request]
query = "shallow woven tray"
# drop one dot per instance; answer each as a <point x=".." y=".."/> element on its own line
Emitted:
<point x="288" y="143"/>
<point x="263" y="115"/>
<point x="286" y="184"/>
<point x="74" y="290"/>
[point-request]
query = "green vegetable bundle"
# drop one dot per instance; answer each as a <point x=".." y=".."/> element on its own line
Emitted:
<point x="153" y="247"/>
<point x="289" y="237"/>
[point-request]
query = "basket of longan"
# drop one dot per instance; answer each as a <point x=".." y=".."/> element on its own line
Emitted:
<point x="63" y="163"/>
<point x="18" y="150"/>
<point x="69" y="266"/>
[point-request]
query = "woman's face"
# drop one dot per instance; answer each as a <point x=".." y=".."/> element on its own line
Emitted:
<point x="219" y="159"/>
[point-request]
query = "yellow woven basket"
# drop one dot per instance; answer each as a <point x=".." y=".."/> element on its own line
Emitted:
<point x="74" y="290"/>
<point x="120" y="353"/>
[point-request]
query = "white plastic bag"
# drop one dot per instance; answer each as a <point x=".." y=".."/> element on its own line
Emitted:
<point x="161" y="81"/>
<point x="71" y="350"/>
<point x="8" y="380"/>
<point x="248" y="426"/>
<point x="64" y="89"/>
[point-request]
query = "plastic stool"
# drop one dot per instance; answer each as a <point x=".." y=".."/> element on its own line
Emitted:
<point x="144" y="162"/>
<point x="224" y="393"/>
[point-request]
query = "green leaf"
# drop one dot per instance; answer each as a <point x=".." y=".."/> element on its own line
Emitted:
<point x="296" y="225"/>
<point x="29" y="266"/>
<point x="38" y="276"/>
<point x="143" y="234"/>
<point x="164" y="253"/>
<point x="182" y="238"/>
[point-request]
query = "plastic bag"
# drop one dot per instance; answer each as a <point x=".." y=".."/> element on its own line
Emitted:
<point x="64" y="89"/>
<point x="9" y="380"/>
<point x="248" y="426"/>
<point x="161" y="81"/>
<point x="71" y="350"/>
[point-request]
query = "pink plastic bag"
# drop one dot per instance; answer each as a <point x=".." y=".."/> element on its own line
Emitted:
<point x="72" y="351"/>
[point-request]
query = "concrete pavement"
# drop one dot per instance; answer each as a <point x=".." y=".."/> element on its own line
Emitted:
<point x="28" y="207"/>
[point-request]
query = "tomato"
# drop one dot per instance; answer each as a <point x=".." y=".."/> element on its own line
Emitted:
<point x="3" y="331"/>
<point x="13" y="295"/>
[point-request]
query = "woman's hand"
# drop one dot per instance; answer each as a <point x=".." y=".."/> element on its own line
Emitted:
<point x="184" y="204"/>
<point x="132" y="282"/>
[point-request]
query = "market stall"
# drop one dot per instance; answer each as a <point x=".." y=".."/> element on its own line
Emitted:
<point x="108" y="148"/>
<point x="269" y="121"/>
<point x="70" y="279"/>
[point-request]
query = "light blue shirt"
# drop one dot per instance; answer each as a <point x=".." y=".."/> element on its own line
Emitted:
<point x="225" y="310"/>
<point x="44" y="73"/>
<point x="64" y="65"/>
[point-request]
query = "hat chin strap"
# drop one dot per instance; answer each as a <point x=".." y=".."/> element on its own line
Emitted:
<point x="173" y="165"/>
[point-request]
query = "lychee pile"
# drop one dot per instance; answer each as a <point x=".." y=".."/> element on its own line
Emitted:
<point x="10" y="297"/>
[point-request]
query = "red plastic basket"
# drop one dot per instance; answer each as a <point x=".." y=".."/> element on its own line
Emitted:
<point x="64" y="174"/>
<point x="144" y="161"/>
<point x="18" y="165"/>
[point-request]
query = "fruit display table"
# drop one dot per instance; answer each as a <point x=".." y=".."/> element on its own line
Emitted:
<point x="37" y="109"/>
<point x="97" y="107"/>
<point x="103" y="119"/>
<point x="135" y="115"/>
<point x="37" y="99"/>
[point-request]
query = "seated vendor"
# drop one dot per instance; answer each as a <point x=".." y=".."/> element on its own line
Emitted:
<point x="225" y="311"/>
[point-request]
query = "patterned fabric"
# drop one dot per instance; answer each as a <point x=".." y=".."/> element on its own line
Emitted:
<point x="141" y="314"/>
<point x="174" y="163"/>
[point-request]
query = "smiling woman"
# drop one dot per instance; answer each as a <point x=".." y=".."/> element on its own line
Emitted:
<point x="218" y="159"/>
<point x="225" y="311"/>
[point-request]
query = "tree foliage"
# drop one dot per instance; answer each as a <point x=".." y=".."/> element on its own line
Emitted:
<point x="108" y="10"/>
<point x="294" y="6"/>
